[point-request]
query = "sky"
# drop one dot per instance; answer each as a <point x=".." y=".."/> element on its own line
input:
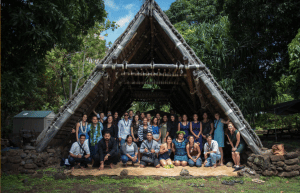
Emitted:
<point x="123" y="11"/>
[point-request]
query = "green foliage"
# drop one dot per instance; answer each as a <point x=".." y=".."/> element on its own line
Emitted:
<point x="243" y="78"/>
<point x="31" y="28"/>
<point x="270" y="121"/>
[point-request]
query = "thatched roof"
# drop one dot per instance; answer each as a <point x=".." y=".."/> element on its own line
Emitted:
<point x="150" y="51"/>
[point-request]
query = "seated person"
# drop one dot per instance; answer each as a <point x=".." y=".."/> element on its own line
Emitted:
<point x="193" y="152"/>
<point x="165" y="152"/>
<point x="180" y="157"/>
<point x="80" y="153"/>
<point x="149" y="149"/>
<point x="129" y="151"/>
<point x="211" y="152"/>
<point x="237" y="143"/>
<point x="107" y="151"/>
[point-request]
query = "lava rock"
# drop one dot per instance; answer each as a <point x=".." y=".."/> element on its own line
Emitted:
<point x="124" y="172"/>
<point x="279" y="168"/>
<point x="28" y="147"/>
<point x="280" y="164"/>
<point x="250" y="159"/>
<point x="288" y="174"/>
<point x="3" y="160"/>
<point x="50" y="150"/>
<point x="229" y="164"/>
<point x="184" y="172"/>
<point x="276" y="158"/>
<point x="22" y="163"/>
<point x="29" y="161"/>
<point x="291" y="155"/>
<point x="23" y="155"/>
<point x="269" y="173"/>
<point x="291" y="168"/>
<point x="292" y="161"/>
<point x="15" y="159"/>
<point x="30" y="166"/>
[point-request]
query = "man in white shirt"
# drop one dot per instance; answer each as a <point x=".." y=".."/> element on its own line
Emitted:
<point x="211" y="152"/>
<point x="124" y="128"/>
<point x="80" y="153"/>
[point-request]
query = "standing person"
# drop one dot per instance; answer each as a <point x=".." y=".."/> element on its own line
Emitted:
<point x="149" y="149"/>
<point x="156" y="130"/>
<point x="130" y="115"/>
<point x="158" y="118"/>
<point x="100" y="116"/>
<point x="196" y="130"/>
<point x="149" y="118"/>
<point x="237" y="143"/>
<point x="124" y="128"/>
<point x="135" y="125"/>
<point x="116" y="118"/>
<point x="80" y="153"/>
<point x="219" y="133"/>
<point x="82" y="128"/>
<point x="110" y="127"/>
<point x="129" y="151"/>
<point x="165" y="152"/>
<point x="193" y="152"/>
<point x="163" y="128"/>
<point x="95" y="129"/>
<point x="172" y="112"/>
<point x="184" y="126"/>
<point x="138" y="113"/>
<point x="172" y="127"/>
<point x="179" y="118"/>
<point x="180" y="157"/>
<point x="207" y="127"/>
<point x="211" y="152"/>
<point x="142" y="116"/>
<point x="144" y="129"/>
<point x="105" y="117"/>
<point x="107" y="152"/>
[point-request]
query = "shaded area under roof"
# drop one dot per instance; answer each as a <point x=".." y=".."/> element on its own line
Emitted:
<point x="286" y="108"/>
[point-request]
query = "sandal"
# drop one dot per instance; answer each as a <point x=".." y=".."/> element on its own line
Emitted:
<point x="238" y="168"/>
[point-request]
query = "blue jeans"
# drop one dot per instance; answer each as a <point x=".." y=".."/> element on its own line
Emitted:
<point x="198" y="162"/>
<point x="122" y="142"/>
<point x="125" y="158"/>
<point x="212" y="159"/>
<point x="83" y="161"/>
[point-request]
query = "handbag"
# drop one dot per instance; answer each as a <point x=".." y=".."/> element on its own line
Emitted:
<point x="278" y="149"/>
<point x="84" y="152"/>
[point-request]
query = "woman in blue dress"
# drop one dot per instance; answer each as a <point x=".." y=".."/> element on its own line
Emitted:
<point x="156" y="130"/>
<point x="184" y="125"/>
<point x="82" y="128"/>
<point x="165" y="152"/>
<point x="196" y="130"/>
<point x="180" y="143"/>
<point x="219" y="133"/>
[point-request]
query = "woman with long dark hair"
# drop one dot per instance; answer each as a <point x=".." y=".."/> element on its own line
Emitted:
<point x="184" y="125"/>
<point x="180" y="157"/>
<point x="207" y="127"/>
<point x="135" y="124"/>
<point x="172" y="127"/>
<point x="110" y="127"/>
<point x="193" y="152"/>
<point x="82" y="128"/>
<point x="165" y="152"/>
<point x="129" y="151"/>
<point x="164" y="128"/>
<point x="196" y="130"/>
<point x="156" y="130"/>
<point x="237" y="143"/>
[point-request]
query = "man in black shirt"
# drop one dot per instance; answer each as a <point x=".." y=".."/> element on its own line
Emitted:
<point x="107" y="151"/>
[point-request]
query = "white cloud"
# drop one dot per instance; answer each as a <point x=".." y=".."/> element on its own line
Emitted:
<point x="129" y="6"/>
<point x="111" y="4"/>
<point x="123" y="21"/>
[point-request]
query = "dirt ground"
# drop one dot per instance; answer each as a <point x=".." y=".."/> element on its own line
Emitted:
<point x="151" y="171"/>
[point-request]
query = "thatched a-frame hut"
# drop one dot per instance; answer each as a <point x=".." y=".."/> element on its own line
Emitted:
<point x="150" y="51"/>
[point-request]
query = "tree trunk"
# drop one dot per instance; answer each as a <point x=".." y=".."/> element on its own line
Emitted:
<point x="70" y="86"/>
<point x="63" y="86"/>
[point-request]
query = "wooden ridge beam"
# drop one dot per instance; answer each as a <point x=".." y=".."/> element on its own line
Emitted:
<point x="103" y="67"/>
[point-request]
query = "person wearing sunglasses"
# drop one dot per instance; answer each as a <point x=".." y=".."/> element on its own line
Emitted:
<point x="124" y="128"/>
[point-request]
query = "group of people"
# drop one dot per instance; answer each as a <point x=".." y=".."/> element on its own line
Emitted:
<point x="157" y="141"/>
